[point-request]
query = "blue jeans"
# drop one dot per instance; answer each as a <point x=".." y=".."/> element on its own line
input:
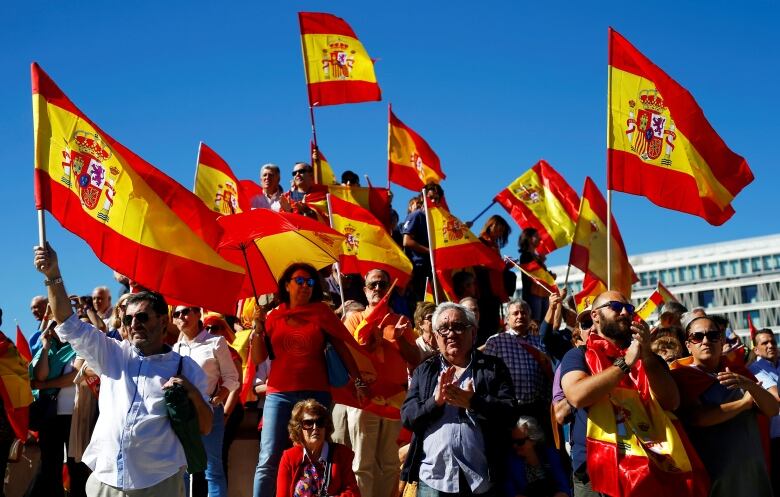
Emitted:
<point x="215" y="484"/>
<point x="274" y="437"/>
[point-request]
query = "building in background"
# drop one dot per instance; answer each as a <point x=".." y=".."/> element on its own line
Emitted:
<point x="733" y="278"/>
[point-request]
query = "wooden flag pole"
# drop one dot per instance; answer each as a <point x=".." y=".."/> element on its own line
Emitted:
<point x="389" y="111"/>
<point x="609" y="130"/>
<point x="471" y="223"/>
<point x="430" y="250"/>
<point x="512" y="261"/>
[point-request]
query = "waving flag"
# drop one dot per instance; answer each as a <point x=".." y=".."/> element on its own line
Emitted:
<point x="540" y="275"/>
<point x="325" y="175"/>
<point x="216" y="184"/>
<point x="338" y="68"/>
<point x="22" y="345"/>
<point x="373" y="318"/>
<point x="661" y="146"/>
<point x="14" y="388"/>
<point x="592" y="287"/>
<point x="589" y="248"/>
<point x="412" y="163"/>
<point x="373" y="199"/>
<point x="540" y="198"/>
<point x="368" y="244"/>
<point x="138" y="221"/>
<point x="660" y="296"/>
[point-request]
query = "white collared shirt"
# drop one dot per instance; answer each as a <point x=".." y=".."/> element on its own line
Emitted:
<point x="323" y="454"/>
<point x="133" y="445"/>
<point x="265" y="201"/>
<point x="211" y="353"/>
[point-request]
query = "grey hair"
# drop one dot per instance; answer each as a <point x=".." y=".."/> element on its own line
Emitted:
<point x="446" y="306"/>
<point x="103" y="289"/>
<point x="273" y="167"/>
<point x="519" y="302"/>
<point x="468" y="299"/>
<point x="532" y="427"/>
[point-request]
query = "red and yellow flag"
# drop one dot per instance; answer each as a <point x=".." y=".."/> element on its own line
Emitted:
<point x="660" y="145"/>
<point x="22" y="345"/>
<point x="592" y="287"/>
<point x="454" y="245"/>
<point x="373" y="199"/>
<point x="660" y="296"/>
<point x="665" y="293"/>
<point x="325" y="175"/>
<point x="216" y="184"/>
<point x="540" y="198"/>
<point x="368" y="244"/>
<point x="589" y="247"/>
<point x="14" y="388"/>
<point x="411" y="162"/>
<point x="540" y="275"/>
<point x="429" y="292"/>
<point x="338" y="68"/>
<point x="137" y="220"/>
<point x="373" y="319"/>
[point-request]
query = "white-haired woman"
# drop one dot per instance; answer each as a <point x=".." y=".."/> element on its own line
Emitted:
<point x="535" y="468"/>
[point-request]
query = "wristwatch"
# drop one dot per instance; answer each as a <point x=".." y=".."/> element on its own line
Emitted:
<point x="621" y="363"/>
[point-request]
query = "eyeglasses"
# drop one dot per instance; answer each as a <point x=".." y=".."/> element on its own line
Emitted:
<point x="141" y="317"/>
<point x="309" y="424"/>
<point x="453" y="328"/>
<point x="698" y="336"/>
<point x="300" y="171"/>
<point x="519" y="442"/>
<point x="182" y="313"/>
<point x="300" y="281"/>
<point x="618" y="307"/>
<point x="378" y="285"/>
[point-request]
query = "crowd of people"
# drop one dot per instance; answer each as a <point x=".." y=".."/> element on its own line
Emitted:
<point x="493" y="395"/>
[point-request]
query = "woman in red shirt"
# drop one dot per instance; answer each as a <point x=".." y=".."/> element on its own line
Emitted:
<point x="296" y="331"/>
<point x="314" y="465"/>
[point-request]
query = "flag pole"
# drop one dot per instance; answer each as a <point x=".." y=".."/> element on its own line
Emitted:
<point x="197" y="166"/>
<point x="482" y="213"/>
<point x="389" y="112"/>
<point x="41" y="228"/>
<point x="338" y="269"/>
<point x="430" y="250"/>
<point x="316" y="151"/>
<point x="511" y="261"/>
<point x="249" y="272"/>
<point x="609" y="184"/>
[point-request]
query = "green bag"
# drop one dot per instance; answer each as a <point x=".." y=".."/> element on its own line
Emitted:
<point x="184" y="421"/>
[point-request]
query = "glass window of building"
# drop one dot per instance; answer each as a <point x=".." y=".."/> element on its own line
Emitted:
<point x="723" y="269"/>
<point x="755" y="262"/>
<point x="707" y="298"/>
<point x="749" y="294"/>
<point x="745" y="266"/>
<point x="652" y="278"/>
<point x="769" y="263"/>
<point x="735" y="268"/>
<point x="714" y="270"/>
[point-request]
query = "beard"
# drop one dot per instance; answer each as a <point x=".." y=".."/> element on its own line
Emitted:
<point x="618" y="330"/>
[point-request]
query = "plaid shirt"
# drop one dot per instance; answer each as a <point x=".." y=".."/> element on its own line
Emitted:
<point x="531" y="385"/>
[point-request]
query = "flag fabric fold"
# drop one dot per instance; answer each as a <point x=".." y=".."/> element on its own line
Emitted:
<point x="589" y="247"/>
<point x="326" y="175"/>
<point x="216" y="184"/>
<point x="592" y="287"/>
<point x="375" y="200"/>
<point x="137" y="220"/>
<point x="540" y="275"/>
<point x="660" y="145"/>
<point x="540" y="198"/>
<point x="338" y="68"/>
<point x="411" y="162"/>
<point x="15" y="388"/>
<point x="374" y="318"/>
<point x="368" y="245"/>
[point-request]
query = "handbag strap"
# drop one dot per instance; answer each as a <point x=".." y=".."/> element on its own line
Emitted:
<point x="323" y="492"/>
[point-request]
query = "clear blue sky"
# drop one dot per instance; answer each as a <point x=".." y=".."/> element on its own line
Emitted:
<point x="492" y="86"/>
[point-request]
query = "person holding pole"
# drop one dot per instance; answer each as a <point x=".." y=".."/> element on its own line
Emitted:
<point x="415" y="242"/>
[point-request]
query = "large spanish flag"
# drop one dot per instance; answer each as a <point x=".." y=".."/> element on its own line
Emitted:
<point x="454" y="245"/>
<point x="375" y="200"/>
<point x="368" y="244"/>
<point x="540" y="198"/>
<point x="660" y="145"/>
<point x="216" y="184"/>
<point x="138" y="221"/>
<point x="589" y="247"/>
<point x="338" y="68"/>
<point x="14" y="388"/>
<point x="411" y="162"/>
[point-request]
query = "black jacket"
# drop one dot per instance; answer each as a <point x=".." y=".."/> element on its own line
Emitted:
<point x="493" y="403"/>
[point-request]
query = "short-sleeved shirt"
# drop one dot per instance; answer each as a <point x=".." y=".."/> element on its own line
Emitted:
<point x="768" y="373"/>
<point x="574" y="360"/>
<point x="417" y="227"/>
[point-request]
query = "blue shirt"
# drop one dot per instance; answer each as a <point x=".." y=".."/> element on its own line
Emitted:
<point x="416" y="226"/>
<point x="574" y="360"/>
<point x="767" y="373"/>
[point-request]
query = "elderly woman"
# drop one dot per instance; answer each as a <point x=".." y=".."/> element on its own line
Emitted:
<point x="426" y="342"/>
<point x="535" y="468"/>
<point x="314" y="465"/>
<point x="720" y="406"/>
<point x="460" y="408"/>
<point x="297" y="331"/>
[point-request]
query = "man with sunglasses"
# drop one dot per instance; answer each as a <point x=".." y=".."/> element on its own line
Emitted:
<point x="767" y="371"/>
<point x="133" y="447"/>
<point x="374" y="437"/>
<point x="623" y="344"/>
<point x="303" y="188"/>
<point x="461" y="408"/>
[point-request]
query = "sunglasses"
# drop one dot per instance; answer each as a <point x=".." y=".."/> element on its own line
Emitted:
<point x="698" y="336"/>
<point x="378" y="285"/>
<point x="141" y="317"/>
<point x="453" y="328"/>
<point x="618" y="307"/>
<point x="300" y="171"/>
<point x="182" y="313"/>
<point x="586" y="325"/>
<point x="309" y="424"/>
<point x="300" y="281"/>
<point x="519" y="442"/>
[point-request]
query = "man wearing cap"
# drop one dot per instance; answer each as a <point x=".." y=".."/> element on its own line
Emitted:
<point x="767" y="371"/>
<point x="611" y="351"/>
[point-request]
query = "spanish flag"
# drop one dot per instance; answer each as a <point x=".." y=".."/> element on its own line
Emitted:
<point x="216" y="184"/>
<point x="14" y="388"/>
<point x="411" y="162"/>
<point x="540" y="275"/>
<point x="660" y="296"/>
<point x="338" y="68"/>
<point x="592" y="287"/>
<point x="373" y="319"/>
<point x="454" y="245"/>
<point x="660" y="145"/>
<point x="589" y="247"/>
<point x="428" y="297"/>
<point x="138" y="221"/>
<point x="325" y="175"/>
<point x="540" y="198"/>
<point x="373" y="199"/>
<point x="22" y="345"/>
<point x="368" y="244"/>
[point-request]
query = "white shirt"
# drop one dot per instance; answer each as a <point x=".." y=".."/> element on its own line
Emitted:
<point x="768" y="374"/>
<point x="211" y="353"/>
<point x="66" y="397"/>
<point x="133" y="445"/>
<point x="264" y="201"/>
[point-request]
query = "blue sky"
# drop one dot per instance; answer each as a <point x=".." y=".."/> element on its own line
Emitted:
<point x="493" y="87"/>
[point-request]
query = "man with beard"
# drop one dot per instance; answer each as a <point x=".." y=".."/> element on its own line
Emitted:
<point x="767" y="371"/>
<point x="612" y="332"/>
